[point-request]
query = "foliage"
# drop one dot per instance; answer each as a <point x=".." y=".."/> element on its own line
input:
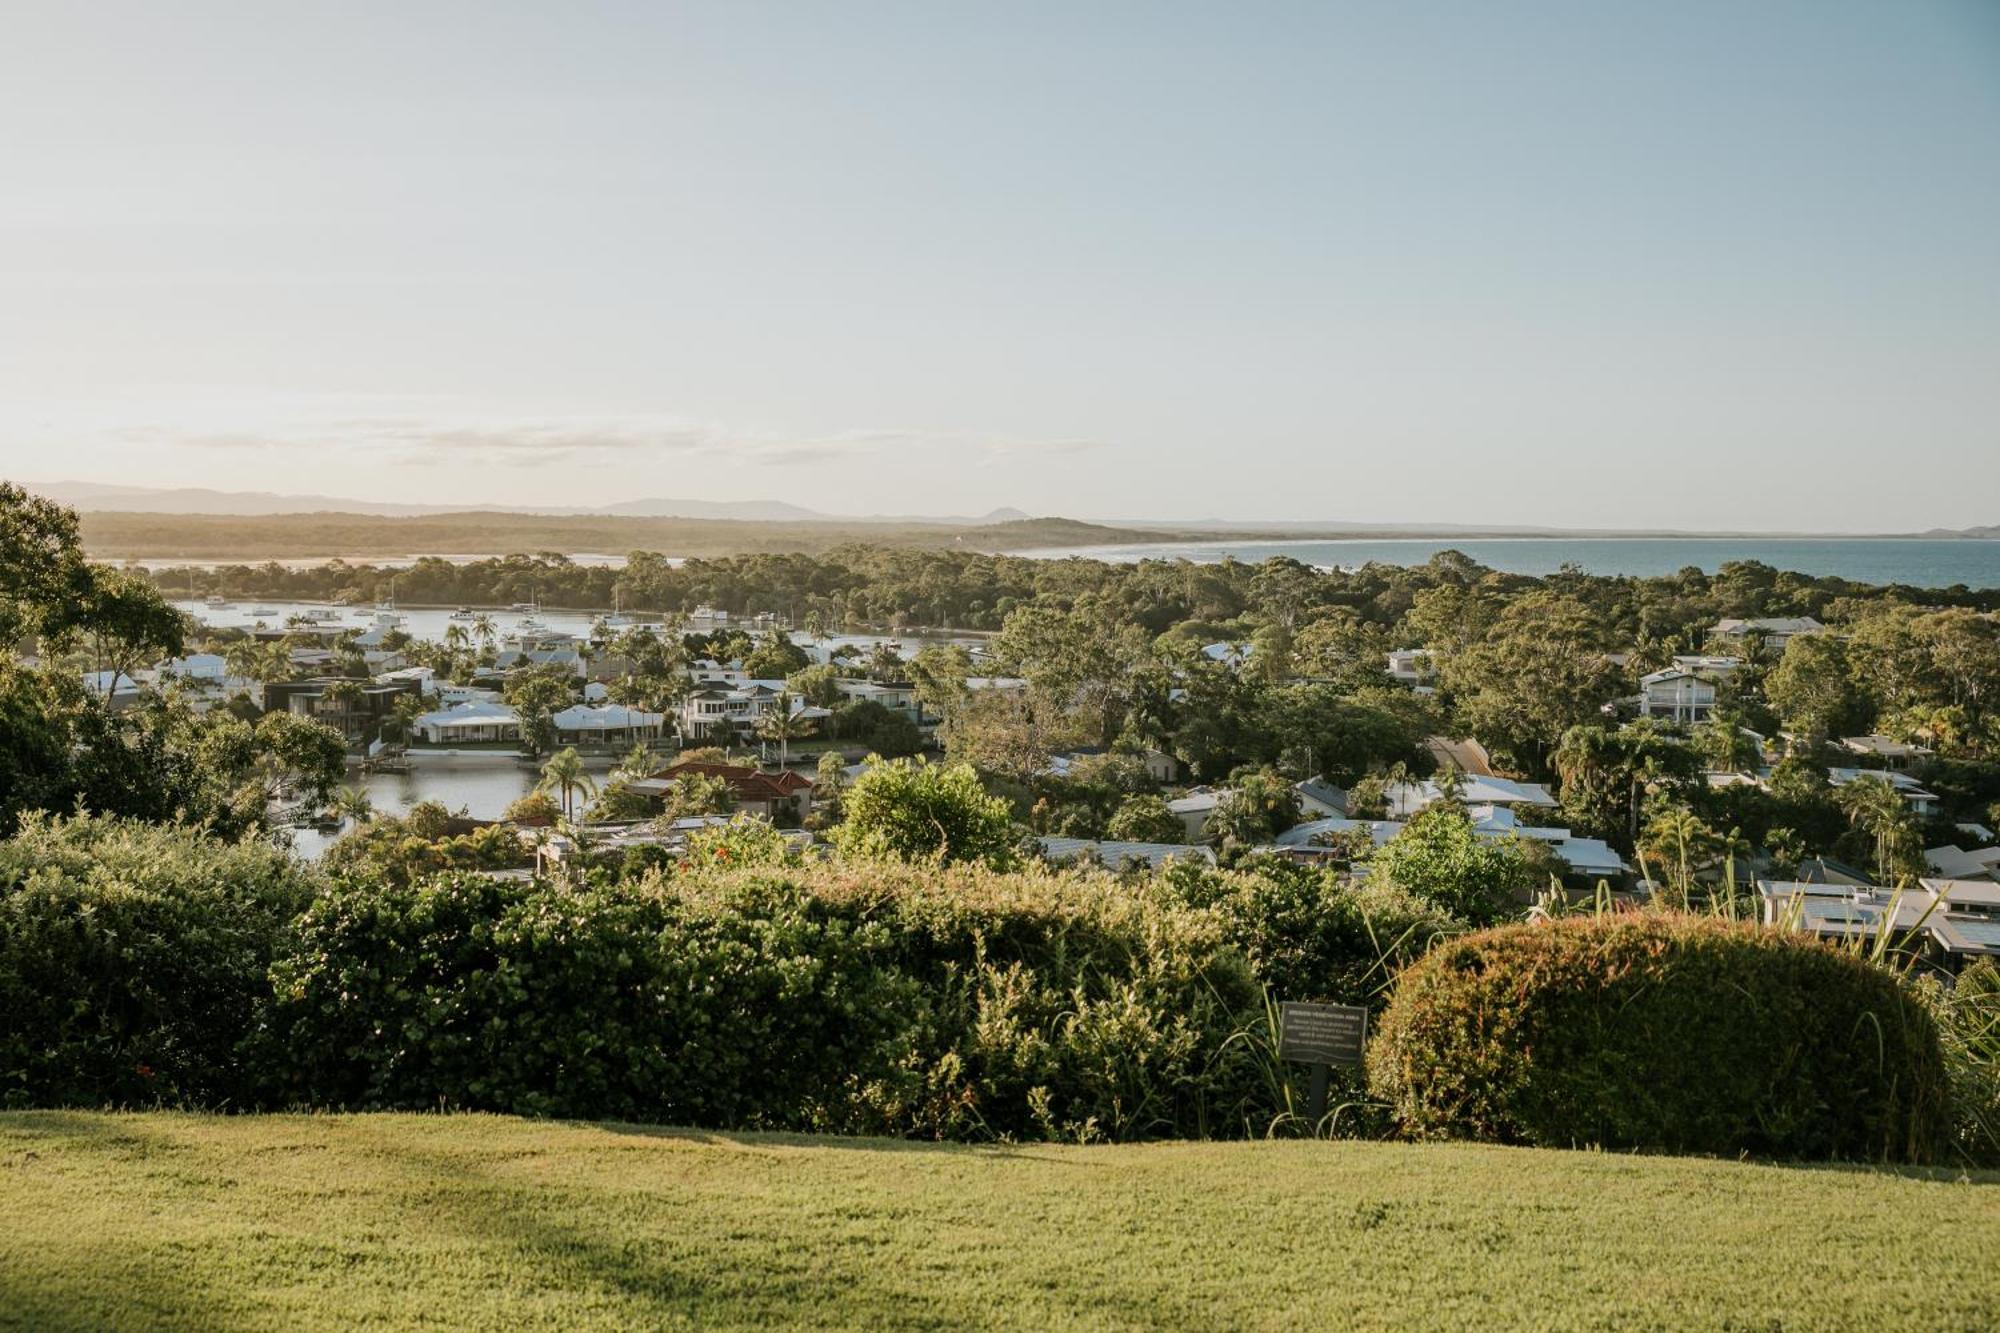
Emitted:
<point x="537" y="694"/>
<point x="871" y="998"/>
<point x="1256" y="809"/>
<point x="1661" y="1032"/>
<point x="1145" y="818"/>
<point x="913" y="811"/>
<point x="1441" y="859"/>
<point x="132" y="958"/>
<point x="425" y="842"/>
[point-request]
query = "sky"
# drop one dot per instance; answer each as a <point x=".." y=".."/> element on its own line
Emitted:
<point x="1697" y="265"/>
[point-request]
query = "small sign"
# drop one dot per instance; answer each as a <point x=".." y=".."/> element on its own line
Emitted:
<point x="1321" y="1034"/>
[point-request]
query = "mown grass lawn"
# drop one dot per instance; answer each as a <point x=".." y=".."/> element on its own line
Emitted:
<point x="299" y="1222"/>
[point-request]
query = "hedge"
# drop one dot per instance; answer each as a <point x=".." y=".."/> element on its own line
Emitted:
<point x="1666" y="1033"/>
<point x="857" y="998"/>
<point x="133" y="959"/>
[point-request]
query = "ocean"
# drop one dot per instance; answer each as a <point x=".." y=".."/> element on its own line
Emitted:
<point x="1920" y="562"/>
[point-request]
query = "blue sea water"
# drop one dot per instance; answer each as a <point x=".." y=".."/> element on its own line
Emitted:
<point x="1919" y="562"/>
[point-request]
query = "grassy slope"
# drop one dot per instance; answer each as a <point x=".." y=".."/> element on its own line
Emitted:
<point x="120" y="536"/>
<point x="302" y="1222"/>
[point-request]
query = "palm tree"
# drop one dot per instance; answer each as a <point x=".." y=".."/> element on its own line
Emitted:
<point x="1874" y="804"/>
<point x="564" y="775"/>
<point x="1676" y="839"/>
<point x="482" y="625"/>
<point x="352" y="803"/>
<point x="455" y="637"/>
<point x="782" y="725"/>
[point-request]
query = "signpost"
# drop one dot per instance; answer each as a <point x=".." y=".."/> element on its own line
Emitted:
<point x="1321" y="1035"/>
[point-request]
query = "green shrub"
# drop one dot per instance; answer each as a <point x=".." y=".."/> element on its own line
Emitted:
<point x="132" y="958"/>
<point x="1313" y="934"/>
<point x="923" y="812"/>
<point x="1661" y="1032"/>
<point x="860" y="997"/>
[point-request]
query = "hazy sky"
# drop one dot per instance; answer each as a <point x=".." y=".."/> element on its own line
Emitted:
<point x="1703" y="263"/>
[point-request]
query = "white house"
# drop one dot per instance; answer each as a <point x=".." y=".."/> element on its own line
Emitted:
<point x="1231" y="655"/>
<point x="1954" y="862"/>
<point x="1412" y="666"/>
<point x="1777" y="631"/>
<point x="1195" y="809"/>
<point x="716" y="712"/>
<point x="1887" y="752"/>
<point x="1118" y="855"/>
<point x="1587" y="858"/>
<point x="1406" y="798"/>
<point x="469" y="723"/>
<point x="1320" y="799"/>
<point x="896" y="698"/>
<point x="1952" y="921"/>
<point x="600" y="724"/>
<point x="1921" y="801"/>
<point x="1677" y="694"/>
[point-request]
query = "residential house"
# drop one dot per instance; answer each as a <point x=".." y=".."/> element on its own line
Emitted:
<point x="783" y="795"/>
<point x="1954" y="862"/>
<point x="606" y="724"/>
<point x="354" y="714"/>
<point x="1159" y="765"/>
<point x="1119" y="855"/>
<point x="1320" y="799"/>
<point x="1776" y="632"/>
<point x="1587" y="859"/>
<point x="475" y="722"/>
<point x="717" y="713"/>
<point x="1677" y="694"/>
<point x="1195" y="809"/>
<point x="1413" y="667"/>
<point x="1922" y="802"/>
<point x="1231" y="655"/>
<point x="896" y="698"/>
<point x="1948" y="923"/>
<point x="1885" y="752"/>
<point x="1406" y="798"/>
<point x="118" y="689"/>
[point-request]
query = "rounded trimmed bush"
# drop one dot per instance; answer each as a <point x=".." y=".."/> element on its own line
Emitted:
<point x="1680" y="1034"/>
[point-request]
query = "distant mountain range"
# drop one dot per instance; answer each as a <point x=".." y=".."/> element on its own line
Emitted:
<point x="96" y="497"/>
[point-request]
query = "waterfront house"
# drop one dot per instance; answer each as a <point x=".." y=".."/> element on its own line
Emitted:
<point x="606" y="724"/>
<point x="475" y="722"/>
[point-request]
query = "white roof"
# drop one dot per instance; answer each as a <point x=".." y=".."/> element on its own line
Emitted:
<point x="604" y="717"/>
<point x="1584" y="856"/>
<point x="1407" y="798"/>
<point x="1115" y="854"/>
<point x="1770" y="625"/>
<point x="1195" y="801"/>
<point x="1954" y="862"/>
<point x="473" y="712"/>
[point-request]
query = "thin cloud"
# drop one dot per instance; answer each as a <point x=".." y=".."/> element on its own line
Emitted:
<point x="424" y="441"/>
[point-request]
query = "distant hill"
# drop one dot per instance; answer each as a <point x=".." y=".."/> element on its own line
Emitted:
<point x="120" y="535"/>
<point x="90" y="496"/>
<point x="1990" y="532"/>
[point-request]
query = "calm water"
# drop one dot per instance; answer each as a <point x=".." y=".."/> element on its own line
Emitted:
<point x="482" y="788"/>
<point x="1916" y="561"/>
<point x="432" y="622"/>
